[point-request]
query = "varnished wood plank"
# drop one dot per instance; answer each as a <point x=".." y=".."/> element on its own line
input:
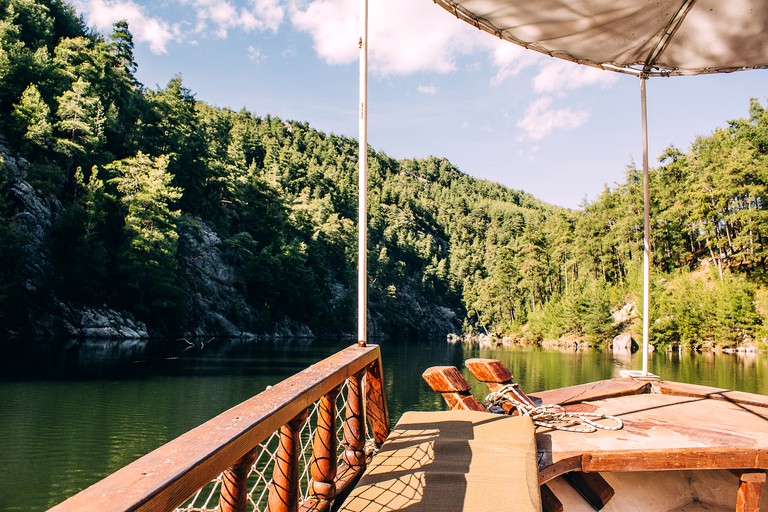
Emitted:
<point x="164" y="478"/>
<point x="549" y="502"/>
<point x="591" y="391"/>
<point x="489" y="370"/>
<point x="687" y="458"/>
<point x="592" y="486"/>
<point x="448" y="381"/>
<point x="445" y="379"/>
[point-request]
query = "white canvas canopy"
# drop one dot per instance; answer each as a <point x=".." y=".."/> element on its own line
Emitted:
<point x="660" y="37"/>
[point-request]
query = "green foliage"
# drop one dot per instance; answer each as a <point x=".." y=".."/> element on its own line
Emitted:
<point x="34" y="119"/>
<point x="130" y="166"/>
<point x="147" y="259"/>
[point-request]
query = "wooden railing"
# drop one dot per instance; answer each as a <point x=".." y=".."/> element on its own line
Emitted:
<point x="223" y="450"/>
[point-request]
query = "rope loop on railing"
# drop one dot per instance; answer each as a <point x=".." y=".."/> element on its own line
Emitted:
<point x="551" y="415"/>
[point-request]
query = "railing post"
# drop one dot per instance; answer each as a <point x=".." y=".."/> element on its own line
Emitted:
<point x="324" y="459"/>
<point x="234" y="485"/>
<point x="376" y="403"/>
<point x="354" y="423"/>
<point x="284" y="489"/>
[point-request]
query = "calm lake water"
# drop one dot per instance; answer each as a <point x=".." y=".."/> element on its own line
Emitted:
<point x="73" y="413"/>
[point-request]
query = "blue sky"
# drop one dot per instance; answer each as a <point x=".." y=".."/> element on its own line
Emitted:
<point x="439" y="87"/>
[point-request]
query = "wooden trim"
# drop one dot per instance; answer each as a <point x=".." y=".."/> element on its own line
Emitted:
<point x="164" y="478"/>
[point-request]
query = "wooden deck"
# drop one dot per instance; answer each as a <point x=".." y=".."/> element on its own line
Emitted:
<point x="682" y="447"/>
<point x="666" y="426"/>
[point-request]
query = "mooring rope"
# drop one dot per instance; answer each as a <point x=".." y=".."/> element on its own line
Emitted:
<point x="551" y="415"/>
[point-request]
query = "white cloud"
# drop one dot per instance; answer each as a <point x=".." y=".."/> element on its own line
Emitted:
<point x="426" y="39"/>
<point x="427" y="89"/>
<point x="255" y="55"/>
<point x="510" y="59"/>
<point x="560" y="75"/>
<point x="541" y="119"/>
<point x="225" y="15"/>
<point x="156" y="32"/>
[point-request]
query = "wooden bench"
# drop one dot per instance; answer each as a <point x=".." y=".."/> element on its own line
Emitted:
<point x="452" y="461"/>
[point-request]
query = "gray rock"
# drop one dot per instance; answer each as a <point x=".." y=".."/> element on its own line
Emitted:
<point x="217" y="307"/>
<point x="623" y="343"/>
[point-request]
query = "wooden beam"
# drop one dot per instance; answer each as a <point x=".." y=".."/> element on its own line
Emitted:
<point x="448" y="381"/>
<point x="592" y="486"/>
<point x="748" y="497"/>
<point x="549" y="502"/>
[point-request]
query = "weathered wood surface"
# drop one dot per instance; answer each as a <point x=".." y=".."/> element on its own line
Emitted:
<point x="592" y="391"/>
<point x="164" y="478"/>
<point x="661" y="432"/>
<point x="448" y="381"/>
<point x="695" y="390"/>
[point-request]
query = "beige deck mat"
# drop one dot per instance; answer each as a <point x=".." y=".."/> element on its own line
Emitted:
<point x="452" y="461"/>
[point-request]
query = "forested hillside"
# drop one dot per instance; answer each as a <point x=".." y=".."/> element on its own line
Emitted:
<point x="193" y="219"/>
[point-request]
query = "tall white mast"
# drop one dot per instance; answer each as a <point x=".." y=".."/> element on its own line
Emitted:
<point x="646" y="230"/>
<point x="362" y="222"/>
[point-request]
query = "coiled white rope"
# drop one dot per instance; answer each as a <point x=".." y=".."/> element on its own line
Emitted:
<point x="551" y="415"/>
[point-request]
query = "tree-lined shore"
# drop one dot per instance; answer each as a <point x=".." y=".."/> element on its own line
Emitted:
<point x="190" y="218"/>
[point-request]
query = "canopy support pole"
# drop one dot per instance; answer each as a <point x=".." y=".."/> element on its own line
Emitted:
<point x="362" y="209"/>
<point x="646" y="229"/>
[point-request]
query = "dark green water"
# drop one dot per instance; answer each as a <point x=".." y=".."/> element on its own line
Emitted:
<point x="71" y="415"/>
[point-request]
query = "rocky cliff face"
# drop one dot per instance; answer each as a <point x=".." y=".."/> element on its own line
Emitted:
<point x="216" y="303"/>
<point x="35" y="214"/>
